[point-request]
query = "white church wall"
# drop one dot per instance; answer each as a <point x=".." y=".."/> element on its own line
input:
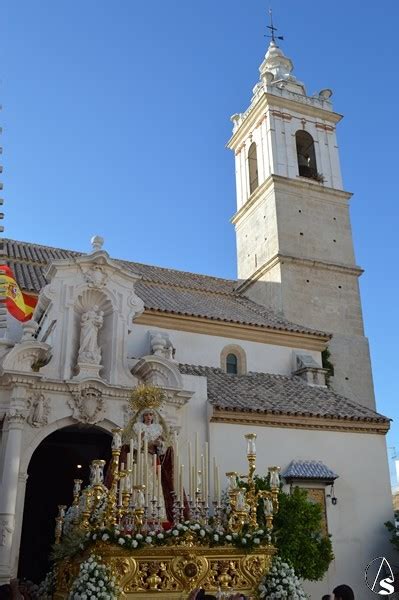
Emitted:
<point x="205" y="350"/>
<point x="356" y="523"/>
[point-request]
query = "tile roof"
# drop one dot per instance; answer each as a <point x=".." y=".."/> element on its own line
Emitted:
<point x="279" y="395"/>
<point x="165" y="290"/>
<point x="308" y="469"/>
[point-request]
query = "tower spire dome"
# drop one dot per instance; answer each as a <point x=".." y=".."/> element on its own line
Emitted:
<point x="276" y="63"/>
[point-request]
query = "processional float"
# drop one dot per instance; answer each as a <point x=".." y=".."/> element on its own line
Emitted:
<point x="215" y="543"/>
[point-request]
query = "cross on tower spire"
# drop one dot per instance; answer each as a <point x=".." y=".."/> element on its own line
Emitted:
<point x="273" y="29"/>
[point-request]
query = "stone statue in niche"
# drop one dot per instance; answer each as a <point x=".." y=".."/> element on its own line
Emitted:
<point x="39" y="410"/>
<point x="91" y="323"/>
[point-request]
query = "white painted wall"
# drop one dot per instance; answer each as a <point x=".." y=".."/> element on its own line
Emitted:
<point x="205" y="350"/>
<point x="356" y="523"/>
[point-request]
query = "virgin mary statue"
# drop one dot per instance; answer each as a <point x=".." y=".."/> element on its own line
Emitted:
<point x="148" y="430"/>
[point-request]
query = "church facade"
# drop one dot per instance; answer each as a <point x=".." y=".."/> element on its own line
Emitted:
<point x="232" y="356"/>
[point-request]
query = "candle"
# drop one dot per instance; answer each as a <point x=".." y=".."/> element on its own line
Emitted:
<point x="139" y="456"/>
<point x="145" y="457"/>
<point x="154" y="476"/>
<point x="217" y="486"/>
<point x="176" y="477"/>
<point x="206" y="474"/>
<point x="192" y="483"/>
<point x="201" y="479"/>
<point x="141" y="476"/>
<point x="121" y="485"/>
<point x="196" y="460"/>
<point x="190" y="472"/>
<point x="214" y="479"/>
<point x="129" y="461"/>
<point x="159" y="484"/>
<point x="181" y="484"/>
<point x="134" y="475"/>
<point x="176" y="457"/>
<point x="131" y="448"/>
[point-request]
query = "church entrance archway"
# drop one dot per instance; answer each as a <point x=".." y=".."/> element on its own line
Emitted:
<point x="51" y="471"/>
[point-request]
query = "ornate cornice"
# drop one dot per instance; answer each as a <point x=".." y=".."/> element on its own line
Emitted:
<point x="298" y="260"/>
<point x="298" y="422"/>
<point x="270" y="102"/>
<point x="239" y="331"/>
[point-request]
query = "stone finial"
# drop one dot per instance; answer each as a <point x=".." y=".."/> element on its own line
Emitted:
<point x="97" y="243"/>
<point x="276" y="63"/>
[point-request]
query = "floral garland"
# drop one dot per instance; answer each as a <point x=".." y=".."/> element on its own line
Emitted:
<point x="95" y="581"/>
<point x="281" y="583"/>
<point x="201" y="534"/>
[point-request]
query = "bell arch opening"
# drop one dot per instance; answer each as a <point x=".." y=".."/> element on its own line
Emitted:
<point x="253" y="168"/>
<point x="52" y="469"/>
<point x="306" y="155"/>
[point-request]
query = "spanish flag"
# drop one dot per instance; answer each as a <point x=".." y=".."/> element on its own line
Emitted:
<point x="18" y="304"/>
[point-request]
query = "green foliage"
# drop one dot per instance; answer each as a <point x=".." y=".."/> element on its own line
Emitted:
<point x="298" y="534"/>
<point x="327" y="364"/>
<point x="394" y="530"/>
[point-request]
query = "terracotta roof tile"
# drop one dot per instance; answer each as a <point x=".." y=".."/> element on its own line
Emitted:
<point x="161" y="289"/>
<point x="278" y="394"/>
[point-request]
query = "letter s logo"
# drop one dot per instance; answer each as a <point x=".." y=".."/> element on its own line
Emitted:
<point x="379" y="577"/>
<point x="388" y="589"/>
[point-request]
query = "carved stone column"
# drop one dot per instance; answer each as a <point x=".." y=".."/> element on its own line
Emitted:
<point x="8" y="490"/>
<point x="19" y="515"/>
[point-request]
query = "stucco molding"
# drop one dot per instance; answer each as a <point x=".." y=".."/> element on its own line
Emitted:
<point x="279" y="258"/>
<point x="233" y="330"/>
<point x="298" y="422"/>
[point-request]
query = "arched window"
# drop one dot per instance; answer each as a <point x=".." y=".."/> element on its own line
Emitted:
<point x="233" y="360"/>
<point x="253" y="168"/>
<point x="231" y="364"/>
<point x="306" y="155"/>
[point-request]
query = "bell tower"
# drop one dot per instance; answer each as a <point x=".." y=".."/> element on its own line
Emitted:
<point x="294" y="241"/>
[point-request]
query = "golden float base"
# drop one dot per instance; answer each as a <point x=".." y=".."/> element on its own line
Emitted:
<point x="171" y="572"/>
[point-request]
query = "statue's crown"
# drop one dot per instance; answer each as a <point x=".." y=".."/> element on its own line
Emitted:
<point x="147" y="396"/>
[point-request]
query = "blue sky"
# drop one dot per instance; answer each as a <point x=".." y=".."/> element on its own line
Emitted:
<point x="116" y="115"/>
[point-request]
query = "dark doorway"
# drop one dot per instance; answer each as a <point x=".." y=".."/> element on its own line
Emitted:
<point x="52" y="469"/>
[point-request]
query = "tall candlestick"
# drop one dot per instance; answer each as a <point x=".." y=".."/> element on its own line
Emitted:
<point x="181" y="493"/>
<point x="121" y="485"/>
<point x="128" y="461"/>
<point x="206" y="474"/>
<point x="192" y="490"/>
<point x="176" y="474"/>
<point x="145" y="456"/>
<point x="154" y="476"/>
<point x="175" y="458"/>
<point x="214" y="479"/>
<point x="190" y="472"/>
<point x="141" y="468"/>
<point x="139" y="456"/>
<point x="201" y="479"/>
<point x="134" y="475"/>
<point x="131" y="448"/>
<point x="217" y="486"/>
<point x="196" y="460"/>
<point x="159" y="484"/>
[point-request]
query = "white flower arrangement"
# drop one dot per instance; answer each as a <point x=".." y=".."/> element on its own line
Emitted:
<point x="205" y="535"/>
<point x="47" y="587"/>
<point x="281" y="583"/>
<point x="94" y="582"/>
